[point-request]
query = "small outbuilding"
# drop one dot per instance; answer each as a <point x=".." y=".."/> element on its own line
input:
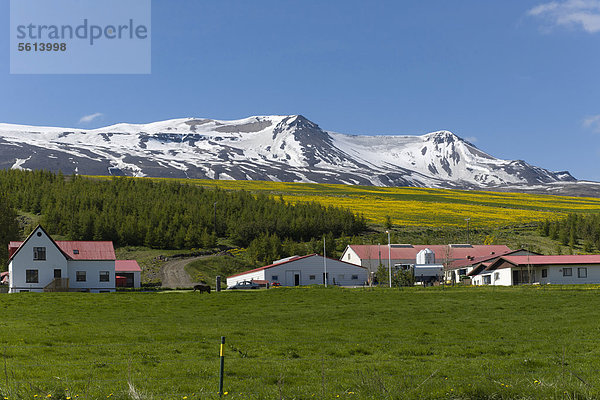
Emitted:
<point x="305" y="270"/>
<point x="128" y="274"/>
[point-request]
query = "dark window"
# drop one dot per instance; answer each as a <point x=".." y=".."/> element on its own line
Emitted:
<point x="104" y="276"/>
<point x="39" y="234"/>
<point x="275" y="278"/>
<point x="39" y="253"/>
<point x="75" y="251"/>
<point x="567" y="272"/>
<point x="487" y="279"/>
<point x="57" y="273"/>
<point x="31" y="276"/>
<point x="544" y="273"/>
<point x="582" y="272"/>
<point x="354" y="277"/>
<point x="312" y="277"/>
<point x="80" y="276"/>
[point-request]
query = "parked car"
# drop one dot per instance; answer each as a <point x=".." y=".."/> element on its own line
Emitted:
<point x="275" y="284"/>
<point x="244" y="285"/>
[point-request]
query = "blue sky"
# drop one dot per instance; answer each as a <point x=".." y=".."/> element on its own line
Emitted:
<point x="519" y="78"/>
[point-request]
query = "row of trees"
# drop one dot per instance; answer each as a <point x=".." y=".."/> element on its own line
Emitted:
<point x="575" y="230"/>
<point x="167" y="214"/>
<point x="9" y="228"/>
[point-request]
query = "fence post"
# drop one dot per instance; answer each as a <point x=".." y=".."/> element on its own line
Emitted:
<point x="222" y="356"/>
<point x="218" y="283"/>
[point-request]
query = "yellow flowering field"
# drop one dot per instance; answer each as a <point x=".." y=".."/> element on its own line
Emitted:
<point x="421" y="206"/>
<point x="409" y="206"/>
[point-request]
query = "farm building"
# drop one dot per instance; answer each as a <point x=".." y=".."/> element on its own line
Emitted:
<point x="403" y="255"/>
<point x="305" y="270"/>
<point x="128" y="274"/>
<point x="537" y="269"/>
<point x="40" y="264"/>
<point x="460" y="269"/>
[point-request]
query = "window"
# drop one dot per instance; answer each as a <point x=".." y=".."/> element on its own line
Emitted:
<point x="582" y="272"/>
<point x="462" y="271"/>
<point x="57" y="273"/>
<point x="80" y="276"/>
<point x="545" y="273"/>
<point x="39" y="253"/>
<point x="104" y="276"/>
<point x="496" y="276"/>
<point x="487" y="279"/>
<point x="75" y="251"/>
<point x="567" y="271"/>
<point x="311" y="277"/>
<point x="349" y="256"/>
<point x="31" y="276"/>
<point x="354" y="277"/>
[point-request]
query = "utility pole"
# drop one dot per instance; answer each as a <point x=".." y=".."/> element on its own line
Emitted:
<point x="389" y="256"/>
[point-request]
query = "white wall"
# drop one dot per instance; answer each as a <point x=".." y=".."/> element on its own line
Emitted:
<point x="555" y="274"/>
<point x="313" y="266"/>
<point x="499" y="277"/>
<point x="92" y="269"/>
<point x="257" y="275"/>
<point x="23" y="260"/>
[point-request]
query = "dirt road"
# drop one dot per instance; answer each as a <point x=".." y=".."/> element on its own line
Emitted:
<point x="173" y="273"/>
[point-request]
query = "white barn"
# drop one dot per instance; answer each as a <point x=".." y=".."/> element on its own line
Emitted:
<point x="305" y="270"/>
<point x="41" y="264"/>
<point x="537" y="269"/>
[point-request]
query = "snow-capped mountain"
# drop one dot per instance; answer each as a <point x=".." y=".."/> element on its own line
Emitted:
<point x="276" y="148"/>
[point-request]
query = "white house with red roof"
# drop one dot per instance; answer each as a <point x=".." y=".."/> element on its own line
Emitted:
<point x="41" y="264"/>
<point x="305" y="270"/>
<point x="537" y="269"/>
<point x="402" y="255"/>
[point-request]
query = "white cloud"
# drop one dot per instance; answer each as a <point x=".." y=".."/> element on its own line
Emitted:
<point x="592" y="123"/>
<point x="570" y="13"/>
<point x="86" y="119"/>
<point x="471" y="139"/>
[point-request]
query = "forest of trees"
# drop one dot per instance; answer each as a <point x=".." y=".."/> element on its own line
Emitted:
<point x="170" y="215"/>
<point x="575" y="230"/>
<point x="9" y="228"/>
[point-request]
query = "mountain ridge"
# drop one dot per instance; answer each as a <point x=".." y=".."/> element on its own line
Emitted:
<point x="287" y="148"/>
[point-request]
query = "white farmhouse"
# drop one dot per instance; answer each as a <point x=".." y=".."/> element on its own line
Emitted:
<point x="305" y="270"/>
<point x="41" y="264"/>
<point x="536" y="269"/>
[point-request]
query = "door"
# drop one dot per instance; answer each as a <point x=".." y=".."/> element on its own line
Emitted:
<point x="296" y="279"/>
<point x="292" y="278"/>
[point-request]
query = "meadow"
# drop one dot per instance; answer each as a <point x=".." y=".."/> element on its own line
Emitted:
<point x="304" y="343"/>
<point x="408" y="206"/>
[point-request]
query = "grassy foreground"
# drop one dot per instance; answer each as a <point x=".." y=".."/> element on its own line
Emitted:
<point x="452" y="343"/>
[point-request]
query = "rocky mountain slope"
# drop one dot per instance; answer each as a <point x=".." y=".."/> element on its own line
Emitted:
<point x="277" y="148"/>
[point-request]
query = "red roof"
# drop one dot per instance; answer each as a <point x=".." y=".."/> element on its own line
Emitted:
<point x="409" y="252"/>
<point x="287" y="260"/>
<point x="77" y="250"/>
<point x="127" y="266"/>
<point x="548" y="260"/>
<point x="477" y="260"/>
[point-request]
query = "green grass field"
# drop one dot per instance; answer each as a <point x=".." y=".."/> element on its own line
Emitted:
<point x="304" y="343"/>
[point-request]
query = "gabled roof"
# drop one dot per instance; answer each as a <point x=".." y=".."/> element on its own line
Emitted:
<point x="553" y="260"/>
<point x="477" y="260"/>
<point x="409" y="252"/>
<point x="289" y="260"/>
<point x="72" y="250"/>
<point x="127" y="266"/>
<point x="539" y="260"/>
